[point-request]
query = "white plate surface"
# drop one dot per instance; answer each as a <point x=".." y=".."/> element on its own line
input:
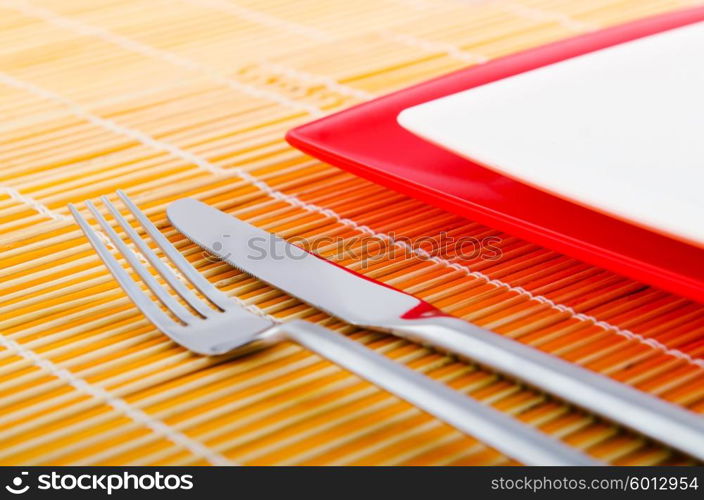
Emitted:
<point x="620" y="130"/>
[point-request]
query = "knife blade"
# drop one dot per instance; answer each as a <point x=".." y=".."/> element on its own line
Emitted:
<point x="368" y="303"/>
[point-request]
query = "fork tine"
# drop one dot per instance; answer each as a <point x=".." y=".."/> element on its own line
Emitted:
<point x="166" y="273"/>
<point x="203" y="285"/>
<point x="172" y="304"/>
<point x="135" y="293"/>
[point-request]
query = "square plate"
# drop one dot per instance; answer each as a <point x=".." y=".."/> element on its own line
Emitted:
<point x="619" y="130"/>
<point x="367" y="140"/>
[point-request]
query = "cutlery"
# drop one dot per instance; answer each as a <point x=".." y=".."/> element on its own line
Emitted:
<point x="367" y="303"/>
<point x="217" y="324"/>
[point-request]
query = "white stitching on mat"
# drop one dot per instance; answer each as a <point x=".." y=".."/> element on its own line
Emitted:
<point x="257" y="17"/>
<point x="294" y="201"/>
<point x="421" y="5"/>
<point x="537" y="14"/>
<point x="297" y="202"/>
<point x="329" y="83"/>
<point x="137" y="135"/>
<point x="539" y="298"/>
<point x="476" y="274"/>
<point x="119" y="404"/>
<point x="446" y="48"/>
<point x="32" y="203"/>
<point x="147" y="50"/>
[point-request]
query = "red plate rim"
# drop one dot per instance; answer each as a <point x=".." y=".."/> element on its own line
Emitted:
<point x="359" y="139"/>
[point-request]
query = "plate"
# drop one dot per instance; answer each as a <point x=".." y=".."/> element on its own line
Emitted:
<point x="367" y="140"/>
<point x="619" y="130"/>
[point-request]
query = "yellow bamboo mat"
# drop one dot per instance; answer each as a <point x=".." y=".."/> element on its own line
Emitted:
<point x="177" y="98"/>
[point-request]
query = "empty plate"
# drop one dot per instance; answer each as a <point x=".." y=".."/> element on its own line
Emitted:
<point x="367" y="140"/>
<point x="620" y="130"/>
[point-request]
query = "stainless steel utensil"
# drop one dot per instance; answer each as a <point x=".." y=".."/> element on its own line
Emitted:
<point x="214" y="324"/>
<point x="365" y="302"/>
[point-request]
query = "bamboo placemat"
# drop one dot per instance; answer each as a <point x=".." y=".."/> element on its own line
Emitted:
<point x="167" y="99"/>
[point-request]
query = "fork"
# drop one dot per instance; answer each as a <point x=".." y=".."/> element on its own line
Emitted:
<point x="217" y="324"/>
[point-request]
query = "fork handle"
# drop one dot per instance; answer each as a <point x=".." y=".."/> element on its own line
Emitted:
<point x="506" y="434"/>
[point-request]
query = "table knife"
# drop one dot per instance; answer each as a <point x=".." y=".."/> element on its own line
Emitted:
<point x="368" y="303"/>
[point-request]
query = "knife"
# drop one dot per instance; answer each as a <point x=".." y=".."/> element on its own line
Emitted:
<point x="367" y="303"/>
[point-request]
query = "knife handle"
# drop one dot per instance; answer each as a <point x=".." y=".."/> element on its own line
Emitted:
<point x="506" y="434"/>
<point x="649" y="415"/>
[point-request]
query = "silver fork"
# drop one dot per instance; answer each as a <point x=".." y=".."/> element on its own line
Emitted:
<point x="224" y="326"/>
